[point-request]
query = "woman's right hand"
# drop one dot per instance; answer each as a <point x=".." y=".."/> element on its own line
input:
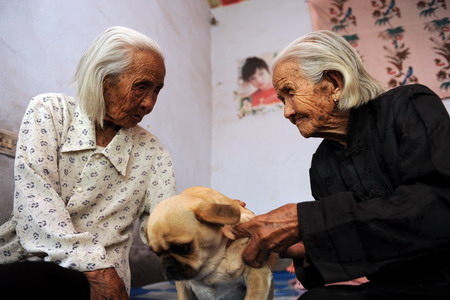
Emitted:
<point x="275" y="231"/>
<point x="106" y="285"/>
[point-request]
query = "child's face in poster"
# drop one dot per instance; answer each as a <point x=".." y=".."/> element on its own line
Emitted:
<point x="261" y="79"/>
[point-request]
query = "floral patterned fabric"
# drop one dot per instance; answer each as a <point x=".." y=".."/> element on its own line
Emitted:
<point x="400" y="42"/>
<point x="74" y="202"/>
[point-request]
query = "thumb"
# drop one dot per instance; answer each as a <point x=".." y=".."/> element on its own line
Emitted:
<point x="239" y="231"/>
<point x="295" y="251"/>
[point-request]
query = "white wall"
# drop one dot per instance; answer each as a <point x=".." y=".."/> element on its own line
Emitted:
<point x="42" y="41"/>
<point x="260" y="159"/>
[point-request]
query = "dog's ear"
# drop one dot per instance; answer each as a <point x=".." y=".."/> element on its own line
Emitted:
<point x="215" y="207"/>
<point x="216" y="213"/>
<point x="207" y="194"/>
<point x="227" y="231"/>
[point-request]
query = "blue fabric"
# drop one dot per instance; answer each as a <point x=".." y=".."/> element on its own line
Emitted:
<point x="283" y="282"/>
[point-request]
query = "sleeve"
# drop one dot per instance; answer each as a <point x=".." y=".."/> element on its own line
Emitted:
<point x="162" y="186"/>
<point x="43" y="224"/>
<point x="346" y="239"/>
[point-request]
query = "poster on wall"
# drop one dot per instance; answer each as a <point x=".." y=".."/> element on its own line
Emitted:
<point x="256" y="94"/>
<point x="218" y="3"/>
<point x="400" y="41"/>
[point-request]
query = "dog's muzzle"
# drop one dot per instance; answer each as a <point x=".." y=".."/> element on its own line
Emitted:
<point x="174" y="270"/>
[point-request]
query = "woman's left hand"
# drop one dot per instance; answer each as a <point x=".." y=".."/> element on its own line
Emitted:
<point x="275" y="231"/>
<point x="296" y="251"/>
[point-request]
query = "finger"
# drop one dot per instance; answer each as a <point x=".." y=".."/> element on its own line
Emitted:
<point x="241" y="203"/>
<point x="239" y="231"/>
<point x="262" y="257"/>
<point x="251" y="253"/>
<point x="295" y="251"/>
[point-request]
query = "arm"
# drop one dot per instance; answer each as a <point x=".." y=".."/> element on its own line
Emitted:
<point x="43" y="223"/>
<point x="162" y="185"/>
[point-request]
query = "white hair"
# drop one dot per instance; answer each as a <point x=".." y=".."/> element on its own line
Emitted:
<point x="324" y="50"/>
<point x="110" y="54"/>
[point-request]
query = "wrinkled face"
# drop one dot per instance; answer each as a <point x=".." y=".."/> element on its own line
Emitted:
<point x="132" y="95"/>
<point x="262" y="80"/>
<point x="308" y="106"/>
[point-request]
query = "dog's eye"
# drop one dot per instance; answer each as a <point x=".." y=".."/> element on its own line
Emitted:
<point x="180" y="249"/>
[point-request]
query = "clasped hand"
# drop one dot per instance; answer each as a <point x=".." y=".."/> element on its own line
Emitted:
<point x="277" y="231"/>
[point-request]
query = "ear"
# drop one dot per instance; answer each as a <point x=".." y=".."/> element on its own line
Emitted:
<point x="207" y="194"/>
<point x="227" y="231"/>
<point x="216" y="213"/>
<point x="215" y="207"/>
<point x="336" y="79"/>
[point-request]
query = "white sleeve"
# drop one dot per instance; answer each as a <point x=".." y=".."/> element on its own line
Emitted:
<point x="161" y="186"/>
<point x="43" y="223"/>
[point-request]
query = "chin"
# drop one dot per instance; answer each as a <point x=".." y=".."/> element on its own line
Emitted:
<point x="305" y="134"/>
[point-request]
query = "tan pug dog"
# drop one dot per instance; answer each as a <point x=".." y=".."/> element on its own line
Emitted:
<point x="192" y="234"/>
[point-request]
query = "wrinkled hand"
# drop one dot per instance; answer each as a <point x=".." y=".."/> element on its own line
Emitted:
<point x="275" y="231"/>
<point x="296" y="251"/>
<point x="106" y="285"/>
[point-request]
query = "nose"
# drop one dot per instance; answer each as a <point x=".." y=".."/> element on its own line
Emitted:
<point x="288" y="110"/>
<point x="260" y="80"/>
<point x="148" y="102"/>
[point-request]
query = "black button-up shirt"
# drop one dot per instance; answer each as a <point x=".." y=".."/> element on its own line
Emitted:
<point x="382" y="205"/>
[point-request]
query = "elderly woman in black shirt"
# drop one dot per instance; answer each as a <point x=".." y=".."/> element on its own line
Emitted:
<point x="381" y="180"/>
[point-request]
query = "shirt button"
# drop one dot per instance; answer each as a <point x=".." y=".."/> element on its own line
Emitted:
<point x="79" y="189"/>
<point x="21" y="250"/>
<point x="97" y="156"/>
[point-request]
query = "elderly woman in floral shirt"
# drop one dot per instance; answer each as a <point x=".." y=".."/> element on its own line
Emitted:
<point x="85" y="170"/>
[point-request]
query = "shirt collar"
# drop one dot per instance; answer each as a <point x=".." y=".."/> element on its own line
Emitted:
<point x="81" y="136"/>
<point x="119" y="149"/>
<point x="81" y="133"/>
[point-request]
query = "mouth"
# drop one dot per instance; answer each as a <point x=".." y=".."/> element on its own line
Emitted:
<point x="297" y="118"/>
<point x="175" y="270"/>
<point x="137" y="117"/>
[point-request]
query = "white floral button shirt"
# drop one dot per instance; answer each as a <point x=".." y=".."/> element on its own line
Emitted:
<point x="75" y="203"/>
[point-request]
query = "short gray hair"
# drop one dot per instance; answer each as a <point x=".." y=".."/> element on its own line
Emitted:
<point x="324" y="50"/>
<point x="110" y="54"/>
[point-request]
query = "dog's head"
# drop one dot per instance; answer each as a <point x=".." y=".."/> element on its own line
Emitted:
<point x="186" y="231"/>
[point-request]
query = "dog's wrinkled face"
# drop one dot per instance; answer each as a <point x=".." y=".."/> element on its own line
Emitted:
<point x="187" y="230"/>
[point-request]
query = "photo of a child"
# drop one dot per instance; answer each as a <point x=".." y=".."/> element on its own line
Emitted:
<point x="256" y="92"/>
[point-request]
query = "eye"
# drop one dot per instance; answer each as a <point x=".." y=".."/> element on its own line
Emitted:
<point x="180" y="249"/>
<point x="157" y="89"/>
<point x="140" y="89"/>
